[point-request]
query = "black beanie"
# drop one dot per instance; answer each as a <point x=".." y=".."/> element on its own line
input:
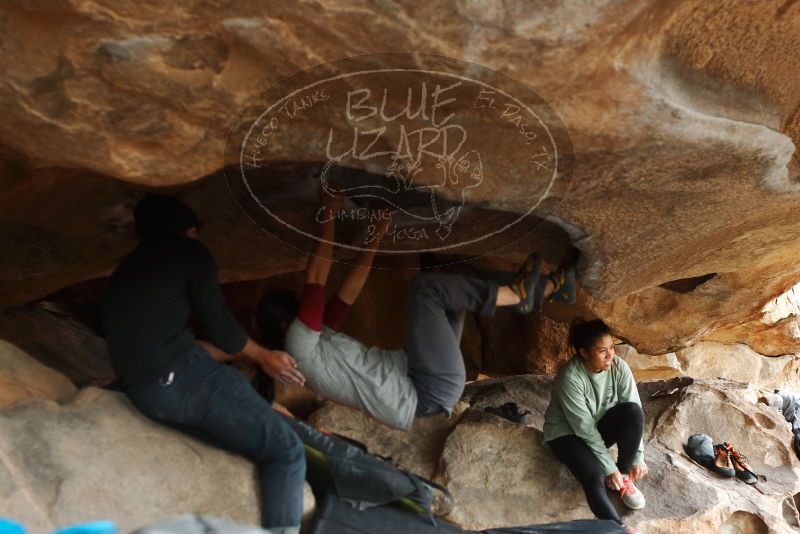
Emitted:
<point x="158" y="215"/>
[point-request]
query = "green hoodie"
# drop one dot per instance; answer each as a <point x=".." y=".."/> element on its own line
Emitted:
<point x="580" y="398"/>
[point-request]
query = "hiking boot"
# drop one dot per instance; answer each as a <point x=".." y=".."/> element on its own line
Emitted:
<point x="509" y="411"/>
<point x="722" y="462"/>
<point x="631" y="496"/>
<point x="741" y="465"/>
<point x="524" y="284"/>
<point x="564" y="283"/>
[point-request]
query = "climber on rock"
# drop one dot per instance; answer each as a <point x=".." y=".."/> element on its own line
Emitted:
<point x="394" y="386"/>
<point x="174" y="380"/>
<point x="595" y="404"/>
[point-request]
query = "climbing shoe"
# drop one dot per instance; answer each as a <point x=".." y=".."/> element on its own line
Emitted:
<point x="631" y="496"/>
<point x="722" y="461"/>
<point x="509" y="411"/>
<point x="524" y="283"/>
<point x="700" y="448"/>
<point x="564" y="283"/>
<point x="741" y="465"/>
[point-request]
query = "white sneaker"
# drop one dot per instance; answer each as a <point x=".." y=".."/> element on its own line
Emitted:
<point x="631" y="495"/>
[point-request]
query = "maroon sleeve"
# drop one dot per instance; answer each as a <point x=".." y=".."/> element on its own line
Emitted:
<point x="335" y="313"/>
<point x="312" y="303"/>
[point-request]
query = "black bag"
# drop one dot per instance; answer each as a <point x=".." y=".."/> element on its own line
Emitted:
<point x="342" y="466"/>
<point x="333" y="516"/>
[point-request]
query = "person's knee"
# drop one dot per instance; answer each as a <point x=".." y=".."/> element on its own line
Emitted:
<point x="631" y="412"/>
<point x="592" y="478"/>
<point x="296" y="453"/>
<point x="282" y="445"/>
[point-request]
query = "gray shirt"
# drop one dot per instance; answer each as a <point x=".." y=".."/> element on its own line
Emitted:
<point x="580" y="398"/>
<point x="344" y="370"/>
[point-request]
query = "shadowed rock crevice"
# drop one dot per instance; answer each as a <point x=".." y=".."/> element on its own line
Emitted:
<point x="685" y="285"/>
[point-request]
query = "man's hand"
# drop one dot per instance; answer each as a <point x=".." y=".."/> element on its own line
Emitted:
<point x="638" y="471"/>
<point x="282" y="367"/>
<point x="614" y="481"/>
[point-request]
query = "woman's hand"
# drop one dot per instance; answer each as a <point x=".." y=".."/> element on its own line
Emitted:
<point x="615" y="481"/>
<point x="638" y="471"/>
<point x="282" y="367"/>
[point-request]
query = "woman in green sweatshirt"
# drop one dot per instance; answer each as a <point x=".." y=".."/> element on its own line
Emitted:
<point x="595" y="404"/>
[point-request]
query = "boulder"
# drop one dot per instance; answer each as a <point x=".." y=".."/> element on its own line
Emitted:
<point x="650" y="367"/>
<point x="775" y="331"/>
<point x="709" y="359"/>
<point x="23" y="377"/>
<point x="99" y="458"/>
<point x="59" y="341"/>
<point x="100" y="101"/>
<point x="417" y="451"/>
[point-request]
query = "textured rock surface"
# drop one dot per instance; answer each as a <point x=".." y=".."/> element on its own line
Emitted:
<point x="709" y="359"/>
<point x="59" y="341"/>
<point x="501" y="475"/>
<point x="776" y="331"/>
<point x="417" y="450"/>
<point x="23" y="377"/>
<point x="684" y="116"/>
<point x="97" y="457"/>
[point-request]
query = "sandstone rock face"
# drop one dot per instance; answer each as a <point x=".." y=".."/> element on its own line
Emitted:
<point x="98" y="458"/>
<point x="59" y="341"/>
<point x="501" y="475"/>
<point x="709" y="359"/>
<point x="776" y="331"/>
<point x="417" y="450"/>
<point x="683" y="115"/>
<point x="22" y="377"/>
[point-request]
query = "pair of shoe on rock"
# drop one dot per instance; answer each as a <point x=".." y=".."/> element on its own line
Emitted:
<point x="721" y="458"/>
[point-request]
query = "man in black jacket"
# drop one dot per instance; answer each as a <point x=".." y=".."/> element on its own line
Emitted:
<point x="173" y="379"/>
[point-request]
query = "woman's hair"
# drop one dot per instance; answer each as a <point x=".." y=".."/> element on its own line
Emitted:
<point x="158" y="215"/>
<point x="584" y="334"/>
<point x="276" y="311"/>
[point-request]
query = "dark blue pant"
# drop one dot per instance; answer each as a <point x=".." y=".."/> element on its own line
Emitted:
<point x="435" y="308"/>
<point x="216" y="404"/>
<point x="623" y="424"/>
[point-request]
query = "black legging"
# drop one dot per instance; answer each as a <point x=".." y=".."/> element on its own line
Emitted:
<point x="623" y="424"/>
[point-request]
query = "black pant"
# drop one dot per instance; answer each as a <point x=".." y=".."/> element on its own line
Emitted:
<point x="435" y="309"/>
<point x="215" y="403"/>
<point x="623" y="424"/>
